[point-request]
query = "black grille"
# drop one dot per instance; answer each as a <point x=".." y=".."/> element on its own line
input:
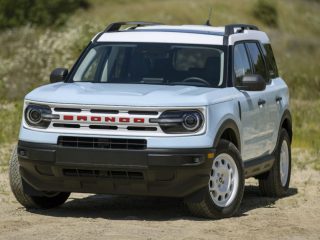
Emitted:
<point x="103" y="127"/>
<point x="109" y="143"/>
<point x="103" y="174"/>
<point x="143" y="112"/>
<point x="67" y="110"/>
<point x="66" y="125"/>
<point x="104" y="111"/>
<point x="131" y="128"/>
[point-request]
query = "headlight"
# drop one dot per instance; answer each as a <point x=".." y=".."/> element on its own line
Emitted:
<point x="192" y="121"/>
<point x="39" y="116"/>
<point x="174" y="121"/>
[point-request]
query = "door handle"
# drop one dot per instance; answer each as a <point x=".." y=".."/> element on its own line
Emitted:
<point x="278" y="99"/>
<point x="261" y="102"/>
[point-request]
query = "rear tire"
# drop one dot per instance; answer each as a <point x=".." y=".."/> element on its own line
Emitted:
<point x="224" y="192"/>
<point x="275" y="183"/>
<point x="37" y="202"/>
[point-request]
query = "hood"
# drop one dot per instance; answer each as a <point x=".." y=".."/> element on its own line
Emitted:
<point x="128" y="94"/>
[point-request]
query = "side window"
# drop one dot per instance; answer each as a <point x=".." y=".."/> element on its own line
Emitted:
<point x="241" y="62"/>
<point x="258" y="60"/>
<point x="270" y="60"/>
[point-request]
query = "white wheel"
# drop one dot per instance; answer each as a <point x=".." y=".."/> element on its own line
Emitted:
<point x="222" y="196"/>
<point x="284" y="163"/>
<point x="224" y="180"/>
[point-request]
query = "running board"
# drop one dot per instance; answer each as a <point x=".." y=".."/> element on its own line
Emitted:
<point x="257" y="166"/>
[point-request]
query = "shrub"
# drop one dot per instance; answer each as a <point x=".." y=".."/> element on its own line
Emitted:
<point x="266" y="12"/>
<point x="39" y="12"/>
<point x="35" y="55"/>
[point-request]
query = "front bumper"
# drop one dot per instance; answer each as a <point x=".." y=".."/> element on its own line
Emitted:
<point x="150" y="172"/>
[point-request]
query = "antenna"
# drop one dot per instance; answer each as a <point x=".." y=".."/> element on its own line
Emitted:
<point x="209" y="17"/>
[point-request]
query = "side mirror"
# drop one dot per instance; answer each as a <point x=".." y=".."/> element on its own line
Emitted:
<point x="58" y="75"/>
<point x="252" y="82"/>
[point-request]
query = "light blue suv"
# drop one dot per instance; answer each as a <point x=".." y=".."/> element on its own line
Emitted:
<point x="155" y="110"/>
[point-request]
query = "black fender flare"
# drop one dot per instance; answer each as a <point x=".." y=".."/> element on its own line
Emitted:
<point x="228" y="124"/>
<point x="286" y="116"/>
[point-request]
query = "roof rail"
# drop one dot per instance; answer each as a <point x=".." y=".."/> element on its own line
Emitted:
<point x="114" y="27"/>
<point x="229" y="29"/>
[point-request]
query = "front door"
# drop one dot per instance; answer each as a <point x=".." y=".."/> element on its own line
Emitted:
<point x="255" y="132"/>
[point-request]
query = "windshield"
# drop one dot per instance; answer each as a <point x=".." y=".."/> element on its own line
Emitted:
<point x="153" y="63"/>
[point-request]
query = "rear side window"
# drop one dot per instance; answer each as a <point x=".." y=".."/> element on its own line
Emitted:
<point x="270" y="60"/>
<point x="241" y="62"/>
<point x="258" y="60"/>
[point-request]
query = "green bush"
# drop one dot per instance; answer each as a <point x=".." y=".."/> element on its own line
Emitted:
<point x="266" y="12"/>
<point x="30" y="60"/>
<point x="15" y="13"/>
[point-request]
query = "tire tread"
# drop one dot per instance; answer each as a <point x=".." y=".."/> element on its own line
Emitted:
<point x="270" y="185"/>
<point x="35" y="202"/>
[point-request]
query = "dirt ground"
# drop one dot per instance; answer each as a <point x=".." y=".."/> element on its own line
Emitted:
<point x="104" y="217"/>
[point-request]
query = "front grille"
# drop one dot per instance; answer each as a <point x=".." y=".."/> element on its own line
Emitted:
<point x="103" y="174"/>
<point x="77" y="110"/>
<point x="65" y="125"/>
<point x="143" y="112"/>
<point x="103" y="127"/>
<point x="142" y="128"/>
<point x="108" y="143"/>
<point x="104" y="111"/>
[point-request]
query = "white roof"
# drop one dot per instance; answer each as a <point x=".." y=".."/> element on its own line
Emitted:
<point x="184" y="34"/>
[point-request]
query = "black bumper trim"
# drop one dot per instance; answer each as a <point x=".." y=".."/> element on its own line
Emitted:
<point x="162" y="172"/>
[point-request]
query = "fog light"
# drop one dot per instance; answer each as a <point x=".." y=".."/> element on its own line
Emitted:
<point x="22" y="152"/>
<point x="196" y="160"/>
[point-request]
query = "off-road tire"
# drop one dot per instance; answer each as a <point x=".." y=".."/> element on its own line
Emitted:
<point x="270" y="183"/>
<point x="35" y="202"/>
<point x="206" y="207"/>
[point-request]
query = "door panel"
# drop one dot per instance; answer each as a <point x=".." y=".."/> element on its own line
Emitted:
<point x="254" y="142"/>
<point x="273" y="97"/>
<point x="254" y="131"/>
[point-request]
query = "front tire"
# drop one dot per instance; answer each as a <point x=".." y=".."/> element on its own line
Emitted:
<point x="275" y="183"/>
<point x="36" y="202"/>
<point x="224" y="192"/>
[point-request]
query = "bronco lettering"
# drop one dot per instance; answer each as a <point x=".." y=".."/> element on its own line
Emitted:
<point x="103" y="119"/>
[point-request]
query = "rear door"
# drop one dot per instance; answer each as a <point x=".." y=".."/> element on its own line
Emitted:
<point x="275" y="93"/>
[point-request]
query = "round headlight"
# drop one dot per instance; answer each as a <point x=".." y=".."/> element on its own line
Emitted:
<point x="180" y="121"/>
<point x="191" y="121"/>
<point x="34" y="115"/>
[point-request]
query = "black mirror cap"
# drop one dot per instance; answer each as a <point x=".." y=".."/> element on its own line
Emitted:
<point x="252" y="82"/>
<point x="58" y="75"/>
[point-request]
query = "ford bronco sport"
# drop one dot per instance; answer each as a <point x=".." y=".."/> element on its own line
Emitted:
<point x="155" y="110"/>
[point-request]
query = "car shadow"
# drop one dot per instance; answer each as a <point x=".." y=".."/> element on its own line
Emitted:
<point x="147" y="208"/>
<point x="253" y="199"/>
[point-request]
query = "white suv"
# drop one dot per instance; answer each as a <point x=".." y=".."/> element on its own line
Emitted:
<point x="180" y="111"/>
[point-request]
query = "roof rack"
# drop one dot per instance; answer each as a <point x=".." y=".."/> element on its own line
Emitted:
<point x="230" y="29"/>
<point x="114" y="27"/>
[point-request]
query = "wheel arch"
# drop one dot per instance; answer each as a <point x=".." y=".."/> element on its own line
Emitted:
<point x="228" y="130"/>
<point x="286" y="123"/>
